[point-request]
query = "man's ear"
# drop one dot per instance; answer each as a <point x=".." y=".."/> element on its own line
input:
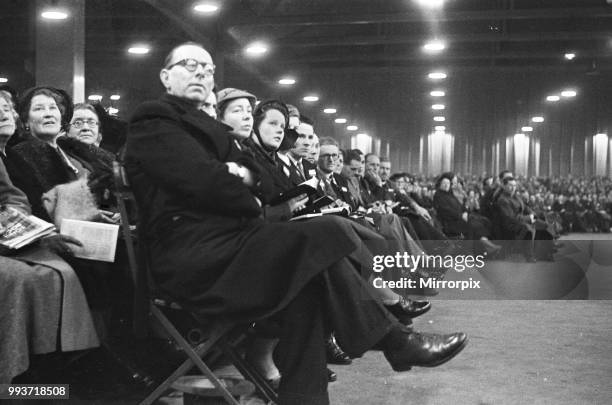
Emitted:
<point x="164" y="76"/>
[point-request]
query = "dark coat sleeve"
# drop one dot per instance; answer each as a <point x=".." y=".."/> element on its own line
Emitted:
<point x="446" y="210"/>
<point x="27" y="178"/>
<point x="185" y="165"/>
<point x="10" y="195"/>
<point x="510" y="220"/>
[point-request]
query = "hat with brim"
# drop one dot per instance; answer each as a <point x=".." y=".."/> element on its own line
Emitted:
<point x="230" y="93"/>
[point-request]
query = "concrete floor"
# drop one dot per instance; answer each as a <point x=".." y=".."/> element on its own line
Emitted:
<point x="522" y="349"/>
<point x="520" y="352"/>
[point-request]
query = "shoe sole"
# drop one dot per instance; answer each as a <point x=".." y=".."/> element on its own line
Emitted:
<point x="439" y="363"/>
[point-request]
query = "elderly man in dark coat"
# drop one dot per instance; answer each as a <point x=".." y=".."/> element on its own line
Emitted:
<point x="211" y="251"/>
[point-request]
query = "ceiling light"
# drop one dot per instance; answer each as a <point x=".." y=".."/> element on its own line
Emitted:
<point x="440" y="128"/>
<point x="311" y="99"/>
<point x="256" y="49"/>
<point x="568" y="93"/>
<point x="519" y="136"/>
<point x="115" y="97"/>
<point x="286" y="81"/>
<point x="439" y="118"/>
<point x="352" y="128"/>
<point x="113" y="110"/>
<point x="437" y="75"/>
<point x="570" y="55"/>
<point x="434" y="46"/>
<point x="54" y="14"/>
<point x="3" y="80"/>
<point x="330" y="111"/>
<point x="340" y="120"/>
<point x="206" y="8"/>
<point x="553" y="98"/>
<point x="437" y="93"/>
<point x="362" y="134"/>
<point x="537" y="119"/>
<point x="430" y="3"/>
<point x="601" y="135"/>
<point x="94" y="97"/>
<point x="437" y="107"/>
<point x="527" y="129"/>
<point x="139" y="50"/>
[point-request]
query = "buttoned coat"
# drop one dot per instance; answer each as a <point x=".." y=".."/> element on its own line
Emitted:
<point x="209" y="247"/>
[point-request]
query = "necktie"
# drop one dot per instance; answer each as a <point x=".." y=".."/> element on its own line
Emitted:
<point x="301" y="169"/>
<point x="299" y="173"/>
<point x="329" y="190"/>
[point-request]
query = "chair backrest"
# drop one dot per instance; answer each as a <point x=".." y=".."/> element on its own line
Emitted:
<point x="138" y="266"/>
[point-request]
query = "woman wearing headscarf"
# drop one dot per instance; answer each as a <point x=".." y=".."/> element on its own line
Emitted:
<point x="261" y="132"/>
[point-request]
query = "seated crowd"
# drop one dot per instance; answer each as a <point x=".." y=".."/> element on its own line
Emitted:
<point x="209" y="172"/>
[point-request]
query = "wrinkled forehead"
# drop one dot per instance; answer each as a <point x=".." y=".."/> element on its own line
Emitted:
<point x="191" y="52"/>
<point x="329" y="149"/>
<point x="84" y="113"/>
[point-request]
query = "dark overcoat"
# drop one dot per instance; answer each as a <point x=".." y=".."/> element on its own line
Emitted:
<point x="449" y="211"/>
<point x="209" y="247"/>
<point x="511" y="216"/>
<point x="35" y="167"/>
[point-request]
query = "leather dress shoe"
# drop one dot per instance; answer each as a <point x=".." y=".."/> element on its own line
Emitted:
<point x="406" y="309"/>
<point x="331" y="376"/>
<point x="424" y="349"/>
<point x="335" y="355"/>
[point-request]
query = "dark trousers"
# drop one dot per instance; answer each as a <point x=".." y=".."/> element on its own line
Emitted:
<point x="338" y="299"/>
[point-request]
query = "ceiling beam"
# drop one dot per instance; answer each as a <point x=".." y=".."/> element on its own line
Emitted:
<point x="484" y="38"/>
<point x="440" y="60"/>
<point x="373" y="18"/>
<point x="540" y="68"/>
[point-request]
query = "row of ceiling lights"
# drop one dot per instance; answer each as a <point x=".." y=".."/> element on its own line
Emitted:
<point x="290" y="81"/>
<point x="255" y="49"/>
<point x="567" y="93"/>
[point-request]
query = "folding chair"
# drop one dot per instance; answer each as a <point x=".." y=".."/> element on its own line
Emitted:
<point x="219" y="337"/>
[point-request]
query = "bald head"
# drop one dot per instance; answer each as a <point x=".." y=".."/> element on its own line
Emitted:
<point x="188" y="73"/>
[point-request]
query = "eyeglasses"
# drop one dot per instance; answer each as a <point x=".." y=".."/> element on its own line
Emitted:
<point x="192" y="65"/>
<point x="80" y="123"/>
<point x="333" y="156"/>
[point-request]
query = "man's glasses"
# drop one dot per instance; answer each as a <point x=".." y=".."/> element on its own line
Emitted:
<point x="192" y="65"/>
<point x="333" y="156"/>
<point x="80" y="123"/>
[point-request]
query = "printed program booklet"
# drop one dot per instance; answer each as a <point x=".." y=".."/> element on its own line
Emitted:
<point x="99" y="240"/>
<point x="18" y="229"/>
<point x="309" y="187"/>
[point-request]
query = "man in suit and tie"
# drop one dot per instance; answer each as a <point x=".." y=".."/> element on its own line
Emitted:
<point x="331" y="183"/>
<point x="296" y="167"/>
